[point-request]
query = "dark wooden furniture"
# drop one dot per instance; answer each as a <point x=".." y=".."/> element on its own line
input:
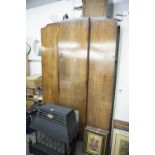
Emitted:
<point x="101" y="73"/>
<point x="49" y="36"/>
<point x="72" y="60"/>
<point x="78" y="64"/>
<point x="64" y="65"/>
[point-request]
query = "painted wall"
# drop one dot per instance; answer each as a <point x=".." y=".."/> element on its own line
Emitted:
<point x="121" y="105"/>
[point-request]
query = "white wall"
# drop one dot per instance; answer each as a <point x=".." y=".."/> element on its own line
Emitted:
<point x="39" y="17"/>
<point x="121" y="105"/>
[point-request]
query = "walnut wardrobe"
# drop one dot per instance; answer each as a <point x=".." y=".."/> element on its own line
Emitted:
<point x="78" y="63"/>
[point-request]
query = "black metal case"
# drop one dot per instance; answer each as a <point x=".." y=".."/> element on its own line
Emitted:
<point x="56" y="130"/>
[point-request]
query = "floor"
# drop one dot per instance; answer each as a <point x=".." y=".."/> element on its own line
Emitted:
<point x="32" y="136"/>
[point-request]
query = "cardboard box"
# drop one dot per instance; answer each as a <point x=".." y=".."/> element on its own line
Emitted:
<point x="29" y="103"/>
<point x="34" y="81"/>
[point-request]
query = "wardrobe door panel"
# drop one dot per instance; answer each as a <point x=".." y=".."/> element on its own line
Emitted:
<point x="101" y="72"/>
<point x="72" y="50"/>
<point x="49" y="63"/>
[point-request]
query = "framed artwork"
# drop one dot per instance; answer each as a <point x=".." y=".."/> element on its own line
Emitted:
<point x="95" y="141"/>
<point x="120" y="142"/>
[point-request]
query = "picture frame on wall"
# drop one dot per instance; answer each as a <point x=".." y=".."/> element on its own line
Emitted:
<point x="95" y="141"/>
<point x="120" y="142"/>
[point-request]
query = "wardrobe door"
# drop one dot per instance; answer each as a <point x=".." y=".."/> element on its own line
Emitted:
<point x="72" y="50"/>
<point x="101" y="72"/>
<point x="49" y="63"/>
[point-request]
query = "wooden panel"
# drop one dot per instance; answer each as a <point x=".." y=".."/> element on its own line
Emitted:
<point x="49" y="63"/>
<point x="101" y="72"/>
<point x="72" y="49"/>
<point x="121" y="125"/>
<point x="94" y="8"/>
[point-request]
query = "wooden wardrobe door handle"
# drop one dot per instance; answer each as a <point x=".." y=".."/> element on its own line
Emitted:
<point x="61" y="56"/>
<point x="59" y="70"/>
